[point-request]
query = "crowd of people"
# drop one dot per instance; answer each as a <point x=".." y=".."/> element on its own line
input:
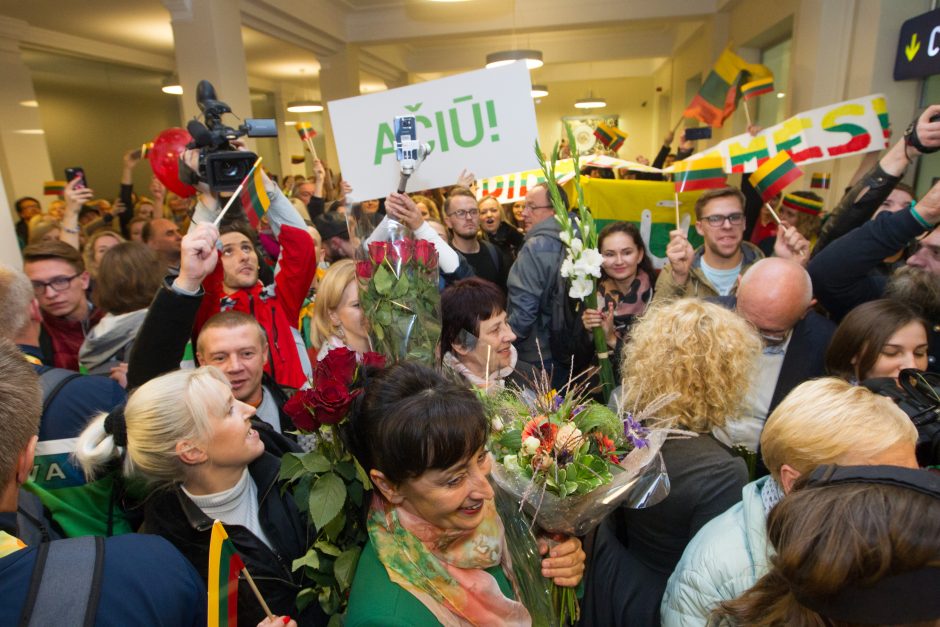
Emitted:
<point x="148" y="355"/>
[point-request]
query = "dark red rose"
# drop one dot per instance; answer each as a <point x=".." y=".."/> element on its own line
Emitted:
<point x="406" y="250"/>
<point x="426" y="254"/>
<point x="377" y="252"/>
<point x="298" y="408"/>
<point x="373" y="359"/>
<point x="331" y="400"/>
<point x="339" y="364"/>
<point x="364" y="269"/>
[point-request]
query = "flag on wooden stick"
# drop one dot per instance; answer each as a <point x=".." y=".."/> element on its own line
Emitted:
<point x="295" y="159"/>
<point x="253" y="197"/>
<point x="757" y="88"/>
<point x="305" y="130"/>
<point x="704" y="173"/>
<point x="53" y="188"/>
<point x="821" y="180"/>
<point x="774" y="175"/>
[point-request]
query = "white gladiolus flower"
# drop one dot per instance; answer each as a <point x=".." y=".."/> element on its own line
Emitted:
<point x="497" y="424"/>
<point x="568" y="438"/>
<point x="581" y="287"/>
<point x="576" y="246"/>
<point x="565" y="237"/>
<point x="589" y="263"/>
<point x="530" y="445"/>
<point x="567" y="268"/>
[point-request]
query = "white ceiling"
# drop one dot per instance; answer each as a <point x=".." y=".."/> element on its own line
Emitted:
<point x="399" y="40"/>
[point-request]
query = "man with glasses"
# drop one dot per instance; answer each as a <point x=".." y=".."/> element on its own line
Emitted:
<point x="532" y="279"/>
<point x="60" y="282"/>
<point x="713" y="270"/>
<point x="776" y="297"/>
<point x="462" y="215"/>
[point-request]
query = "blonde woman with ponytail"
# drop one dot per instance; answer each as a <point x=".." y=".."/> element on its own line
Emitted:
<point x="186" y="435"/>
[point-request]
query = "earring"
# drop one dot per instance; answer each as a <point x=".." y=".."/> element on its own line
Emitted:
<point x="340" y="332"/>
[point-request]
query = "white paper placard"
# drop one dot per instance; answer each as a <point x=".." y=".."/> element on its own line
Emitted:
<point x="483" y="121"/>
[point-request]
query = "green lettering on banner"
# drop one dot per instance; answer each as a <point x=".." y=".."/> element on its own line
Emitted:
<point x="384" y="143"/>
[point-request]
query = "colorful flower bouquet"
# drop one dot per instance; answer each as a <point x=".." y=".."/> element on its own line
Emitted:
<point x="398" y="293"/>
<point x="567" y="462"/>
<point x="327" y="482"/>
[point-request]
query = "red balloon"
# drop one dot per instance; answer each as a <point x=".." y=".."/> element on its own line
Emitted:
<point x="164" y="158"/>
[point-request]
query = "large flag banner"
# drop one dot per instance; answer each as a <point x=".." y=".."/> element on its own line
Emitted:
<point x="514" y="186"/>
<point x="837" y="130"/>
<point x="483" y="121"/>
<point x="720" y="92"/>
<point x="648" y="204"/>
<point x="224" y="565"/>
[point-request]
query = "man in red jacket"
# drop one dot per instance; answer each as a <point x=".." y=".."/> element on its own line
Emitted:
<point x="234" y="284"/>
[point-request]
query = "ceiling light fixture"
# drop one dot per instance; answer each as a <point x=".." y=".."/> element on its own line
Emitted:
<point x="780" y="94"/>
<point x="290" y="122"/>
<point x="304" y="106"/>
<point x="532" y="58"/>
<point x="29" y="103"/>
<point x="590" y="103"/>
<point x="171" y="85"/>
<point x="539" y="91"/>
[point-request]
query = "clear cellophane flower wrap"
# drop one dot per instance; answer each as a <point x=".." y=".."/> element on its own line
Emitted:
<point x="398" y="287"/>
<point x="641" y="482"/>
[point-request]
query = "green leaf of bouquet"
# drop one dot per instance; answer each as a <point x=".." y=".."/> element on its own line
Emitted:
<point x="291" y="467"/>
<point x="571" y="486"/>
<point x="355" y="493"/>
<point x="345" y="567"/>
<point x="311" y="559"/>
<point x="597" y="416"/>
<point x="402" y="287"/>
<point x="336" y="620"/>
<point x="315" y="462"/>
<point x="327" y="547"/>
<point x="334" y="528"/>
<point x="346" y="469"/>
<point x="306" y="596"/>
<point x="383" y="281"/>
<point x="326" y="499"/>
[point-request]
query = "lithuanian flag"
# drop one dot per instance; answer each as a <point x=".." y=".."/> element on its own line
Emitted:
<point x="295" y="159"/>
<point x="718" y="97"/>
<point x="224" y="566"/>
<point x="774" y="174"/>
<point x="757" y="88"/>
<point x="611" y="136"/>
<point x="53" y="188"/>
<point x="704" y="173"/>
<point x="305" y="130"/>
<point x="821" y="180"/>
<point x="802" y="204"/>
<point x="254" y="199"/>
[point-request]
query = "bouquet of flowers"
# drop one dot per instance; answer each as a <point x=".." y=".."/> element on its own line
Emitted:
<point x="582" y="265"/>
<point x="568" y="462"/>
<point x="327" y="482"/>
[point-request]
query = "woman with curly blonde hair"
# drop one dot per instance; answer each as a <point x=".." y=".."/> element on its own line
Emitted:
<point x="704" y="354"/>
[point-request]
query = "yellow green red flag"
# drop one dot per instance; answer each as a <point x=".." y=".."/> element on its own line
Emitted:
<point x="774" y="175"/>
<point x="718" y="97"/>
<point x="224" y="565"/>
<point x="254" y="199"/>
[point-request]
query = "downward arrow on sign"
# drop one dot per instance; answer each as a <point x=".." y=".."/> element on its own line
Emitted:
<point x="910" y="50"/>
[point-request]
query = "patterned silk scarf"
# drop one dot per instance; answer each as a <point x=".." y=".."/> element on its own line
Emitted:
<point x="445" y="569"/>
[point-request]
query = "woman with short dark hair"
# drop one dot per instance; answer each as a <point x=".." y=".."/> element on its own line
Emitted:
<point x="437" y="552"/>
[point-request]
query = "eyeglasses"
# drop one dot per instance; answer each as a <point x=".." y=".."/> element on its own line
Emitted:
<point x="528" y="207"/>
<point x="735" y="219"/>
<point x="775" y="338"/>
<point x="58" y="284"/>
<point x="463" y="214"/>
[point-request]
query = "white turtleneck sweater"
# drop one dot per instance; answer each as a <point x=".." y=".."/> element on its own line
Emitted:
<point x="236" y="506"/>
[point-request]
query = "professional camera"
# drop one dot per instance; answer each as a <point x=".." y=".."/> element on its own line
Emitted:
<point x="918" y="394"/>
<point x="221" y="167"/>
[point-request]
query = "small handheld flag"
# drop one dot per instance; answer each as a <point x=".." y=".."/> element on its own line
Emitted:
<point x="757" y="88"/>
<point x="611" y="136"/>
<point x="295" y="159"/>
<point x="238" y="191"/>
<point x="305" y="130"/>
<point x="802" y="204"/>
<point x="718" y="97"/>
<point x="145" y="149"/>
<point x="224" y="565"/>
<point x="821" y="180"/>
<point x="53" y="188"/>
<point x="254" y="199"/>
<point x="695" y="174"/>
<point x="774" y="175"/>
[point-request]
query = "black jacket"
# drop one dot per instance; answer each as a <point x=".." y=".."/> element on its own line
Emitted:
<point x="805" y="358"/>
<point x="173" y="515"/>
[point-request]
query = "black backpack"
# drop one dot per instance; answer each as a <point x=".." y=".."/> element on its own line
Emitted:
<point x="918" y="394"/>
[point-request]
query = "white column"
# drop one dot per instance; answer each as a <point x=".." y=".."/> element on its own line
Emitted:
<point x="24" y="156"/>
<point x="339" y="78"/>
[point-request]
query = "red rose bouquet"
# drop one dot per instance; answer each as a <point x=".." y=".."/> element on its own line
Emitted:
<point x="327" y="482"/>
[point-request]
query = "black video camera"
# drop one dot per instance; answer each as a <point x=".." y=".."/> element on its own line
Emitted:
<point x="222" y="167"/>
<point x="918" y="394"/>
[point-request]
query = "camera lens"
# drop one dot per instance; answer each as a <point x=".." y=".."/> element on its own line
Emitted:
<point x="232" y="169"/>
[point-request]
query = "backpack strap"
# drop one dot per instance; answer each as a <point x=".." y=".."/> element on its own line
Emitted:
<point x="58" y="588"/>
<point x="53" y="380"/>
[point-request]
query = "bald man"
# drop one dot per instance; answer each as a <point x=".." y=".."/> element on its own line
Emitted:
<point x="776" y="296"/>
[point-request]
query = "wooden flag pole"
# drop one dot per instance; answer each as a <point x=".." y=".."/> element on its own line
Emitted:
<point x="254" y="588"/>
<point x="676" y="127"/>
<point x="313" y="151"/>
<point x="678" y="220"/>
<point x="774" y="214"/>
<point x="747" y="112"/>
<point x="235" y="194"/>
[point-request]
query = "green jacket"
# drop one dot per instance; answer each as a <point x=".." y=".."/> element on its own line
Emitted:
<point x="376" y="601"/>
<point x="697" y="285"/>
